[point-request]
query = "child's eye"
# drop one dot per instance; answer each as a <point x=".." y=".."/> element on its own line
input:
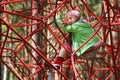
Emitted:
<point x="67" y="19"/>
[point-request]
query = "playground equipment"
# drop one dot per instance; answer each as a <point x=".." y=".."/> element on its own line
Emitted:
<point x="39" y="42"/>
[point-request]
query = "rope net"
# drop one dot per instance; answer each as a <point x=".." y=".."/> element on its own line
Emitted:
<point x="30" y="37"/>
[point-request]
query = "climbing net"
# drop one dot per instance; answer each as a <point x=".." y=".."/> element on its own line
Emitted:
<point x="30" y="37"/>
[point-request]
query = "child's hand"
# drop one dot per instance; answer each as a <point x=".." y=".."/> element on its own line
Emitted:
<point x="64" y="22"/>
<point x="69" y="20"/>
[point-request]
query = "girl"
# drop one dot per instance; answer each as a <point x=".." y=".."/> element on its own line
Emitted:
<point x="80" y="31"/>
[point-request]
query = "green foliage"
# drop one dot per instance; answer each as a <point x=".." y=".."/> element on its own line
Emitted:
<point x="95" y="6"/>
<point x="22" y="8"/>
<point x="19" y="8"/>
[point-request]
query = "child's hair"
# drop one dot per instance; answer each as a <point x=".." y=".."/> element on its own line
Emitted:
<point x="73" y="13"/>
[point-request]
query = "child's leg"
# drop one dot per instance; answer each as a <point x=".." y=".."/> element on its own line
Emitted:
<point x="63" y="54"/>
<point x="92" y="51"/>
<point x="89" y="53"/>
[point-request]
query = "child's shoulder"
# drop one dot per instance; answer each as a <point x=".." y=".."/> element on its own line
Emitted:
<point x="83" y="20"/>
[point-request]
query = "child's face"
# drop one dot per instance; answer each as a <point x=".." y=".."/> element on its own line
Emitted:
<point x="68" y="20"/>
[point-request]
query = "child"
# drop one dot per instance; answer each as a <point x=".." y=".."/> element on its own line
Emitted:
<point x="80" y="31"/>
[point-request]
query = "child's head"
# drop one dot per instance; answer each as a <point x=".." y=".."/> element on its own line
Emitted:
<point x="71" y="17"/>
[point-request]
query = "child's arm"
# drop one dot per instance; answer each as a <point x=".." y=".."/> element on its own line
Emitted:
<point x="77" y="27"/>
<point x="59" y="22"/>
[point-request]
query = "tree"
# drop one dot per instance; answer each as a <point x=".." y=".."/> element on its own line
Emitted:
<point x="37" y="37"/>
<point x="0" y="44"/>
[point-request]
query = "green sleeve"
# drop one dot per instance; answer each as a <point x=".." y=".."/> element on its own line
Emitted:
<point x="76" y="27"/>
<point x="58" y="20"/>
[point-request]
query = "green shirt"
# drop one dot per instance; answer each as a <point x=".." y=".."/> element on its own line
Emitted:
<point x="81" y="31"/>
